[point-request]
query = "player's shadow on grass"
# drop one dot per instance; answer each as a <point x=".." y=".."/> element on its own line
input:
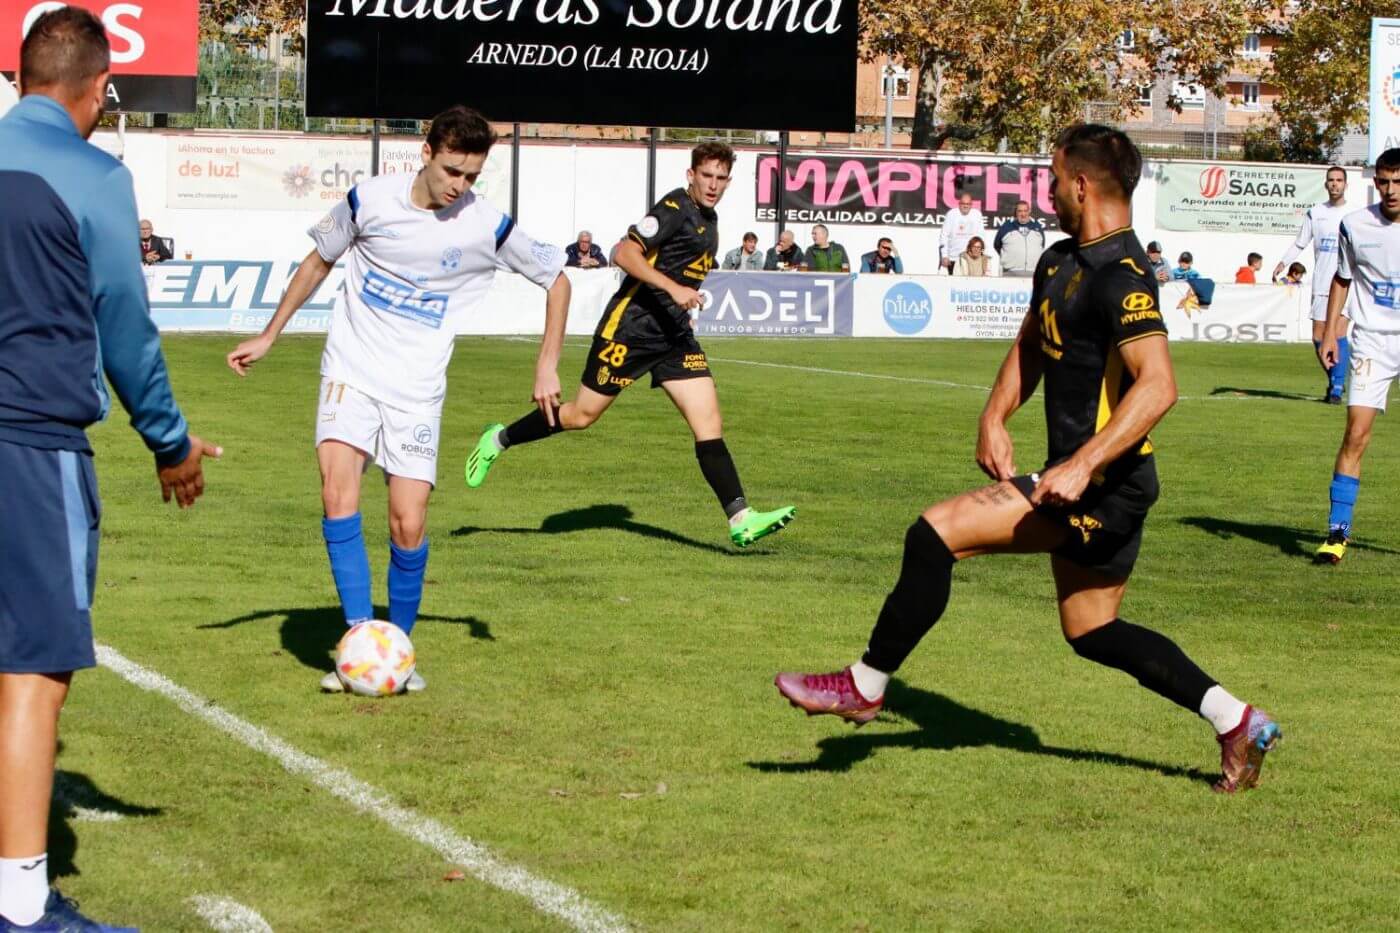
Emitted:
<point x="944" y="724"/>
<point x="596" y="517"/>
<point x="1293" y="542"/>
<point x="1265" y="393"/>
<point x="310" y="634"/>
<point x="76" y="799"/>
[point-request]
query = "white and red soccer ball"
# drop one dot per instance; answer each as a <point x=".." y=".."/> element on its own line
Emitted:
<point x="374" y="659"/>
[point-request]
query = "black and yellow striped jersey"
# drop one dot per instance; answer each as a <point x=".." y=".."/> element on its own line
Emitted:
<point x="680" y="239"/>
<point x="1091" y="299"/>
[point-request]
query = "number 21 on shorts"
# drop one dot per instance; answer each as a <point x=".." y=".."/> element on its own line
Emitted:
<point x="613" y="353"/>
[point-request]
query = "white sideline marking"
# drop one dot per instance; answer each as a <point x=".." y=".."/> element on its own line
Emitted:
<point x="914" y="379"/>
<point x="547" y="897"/>
<point x="228" y="916"/>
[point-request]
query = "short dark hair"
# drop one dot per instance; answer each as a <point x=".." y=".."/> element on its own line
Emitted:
<point x="461" y="129"/>
<point x="1254" y="257"/>
<point x="1297" y="268"/>
<point x="64" y="48"/>
<point x="750" y="236"/>
<point x="1185" y="257"/>
<point x="1154" y="247"/>
<point x="882" y="241"/>
<point x="1103" y="151"/>
<point x="1388" y="161"/>
<point x="1335" y="168"/>
<point x="711" y="152"/>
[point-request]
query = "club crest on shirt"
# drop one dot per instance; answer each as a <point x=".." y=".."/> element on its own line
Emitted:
<point x="326" y="224"/>
<point x="451" y="259"/>
<point x="648" y="226"/>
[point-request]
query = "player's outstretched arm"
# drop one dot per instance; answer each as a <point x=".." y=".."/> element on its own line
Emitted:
<point x="1016" y="380"/>
<point x="1297" y="246"/>
<point x="556" y="317"/>
<point x="308" y="277"/>
<point x="1329" y="351"/>
<point x="1152" y="395"/>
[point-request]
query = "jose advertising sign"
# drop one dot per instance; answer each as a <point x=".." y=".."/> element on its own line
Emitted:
<point x="1269" y="199"/>
<point x="702" y="63"/>
<point x="894" y="192"/>
<point x="155" y="48"/>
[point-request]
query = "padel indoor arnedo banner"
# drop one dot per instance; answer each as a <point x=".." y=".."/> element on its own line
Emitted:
<point x="743" y="64"/>
<point x="155" y="48"/>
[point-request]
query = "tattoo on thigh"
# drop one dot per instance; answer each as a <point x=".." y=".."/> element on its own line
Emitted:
<point x="1000" y="494"/>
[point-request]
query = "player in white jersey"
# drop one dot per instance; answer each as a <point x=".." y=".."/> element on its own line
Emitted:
<point x="421" y="251"/>
<point x="1319" y="227"/>
<point x="1368" y="267"/>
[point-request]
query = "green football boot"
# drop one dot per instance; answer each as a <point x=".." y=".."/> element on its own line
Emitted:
<point x="483" y="455"/>
<point x="759" y="525"/>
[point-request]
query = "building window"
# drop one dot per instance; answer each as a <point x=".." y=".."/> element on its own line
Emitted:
<point x="1192" y="96"/>
<point x="1251" y="45"/>
<point x="1249" y="95"/>
<point x="1125" y="40"/>
<point x="1144" y="95"/>
<point x="897" y="82"/>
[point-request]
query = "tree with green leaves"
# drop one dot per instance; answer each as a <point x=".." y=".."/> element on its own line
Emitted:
<point x="1019" y="69"/>
<point x="1321" y="67"/>
<point x="251" y="22"/>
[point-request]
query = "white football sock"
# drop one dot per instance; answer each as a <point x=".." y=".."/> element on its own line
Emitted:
<point x="1222" y="710"/>
<point x="870" y="682"/>
<point x="738" y="517"/>
<point x="24" y="888"/>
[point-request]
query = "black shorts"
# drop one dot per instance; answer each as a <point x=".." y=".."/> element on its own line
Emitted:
<point x="613" y="365"/>
<point x="1105" y="525"/>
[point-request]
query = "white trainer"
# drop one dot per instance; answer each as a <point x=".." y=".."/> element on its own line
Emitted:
<point x="331" y="683"/>
<point x="416" y="683"/>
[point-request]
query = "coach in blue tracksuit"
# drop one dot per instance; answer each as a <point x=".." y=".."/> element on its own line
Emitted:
<point x="72" y="305"/>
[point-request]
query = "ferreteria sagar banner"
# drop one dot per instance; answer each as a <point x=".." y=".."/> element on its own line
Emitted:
<point x="900" y="192"/>
<point x="742" y="64"/>
<point x="1234" y="197"/>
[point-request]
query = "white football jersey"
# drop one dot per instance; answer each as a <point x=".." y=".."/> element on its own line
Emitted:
<point x="1320" y="225"/>
<point x="411" y="275"/>
<point x="1369" y="257"/>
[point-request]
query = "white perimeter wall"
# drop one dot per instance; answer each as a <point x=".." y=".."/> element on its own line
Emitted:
<point x="603" y="188"/>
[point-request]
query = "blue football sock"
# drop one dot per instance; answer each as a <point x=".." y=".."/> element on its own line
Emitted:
<point x="1338" y="373"/>
<point x="406" y="569"/>
<point x="345" y="545"/>
<point x="1343" y="492"/>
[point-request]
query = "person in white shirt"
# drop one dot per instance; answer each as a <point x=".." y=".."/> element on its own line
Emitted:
<point x="1368" y="269"/>
<point x="1320" y="228"/>
<point x="959" y="227"/>
<point x="421" y="251"/>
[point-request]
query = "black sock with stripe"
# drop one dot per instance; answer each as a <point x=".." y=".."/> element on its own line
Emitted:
<point x="721" y="474"/>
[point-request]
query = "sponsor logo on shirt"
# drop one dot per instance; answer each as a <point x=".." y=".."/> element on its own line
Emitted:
<point x="384" y="294"/>
<point x="1387" y="294"/>
<point x="1327" y="244"/>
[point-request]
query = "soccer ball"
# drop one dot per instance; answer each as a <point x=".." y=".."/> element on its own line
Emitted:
<point x="374" y="659"/>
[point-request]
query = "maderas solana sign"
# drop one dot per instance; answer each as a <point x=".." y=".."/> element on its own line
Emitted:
<point x="743" y="64"/>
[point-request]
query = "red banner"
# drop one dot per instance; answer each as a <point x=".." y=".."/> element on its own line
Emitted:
<point x="149" y="37"/>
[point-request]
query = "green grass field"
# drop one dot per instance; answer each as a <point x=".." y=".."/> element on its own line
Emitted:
<point x="601" y="712"/>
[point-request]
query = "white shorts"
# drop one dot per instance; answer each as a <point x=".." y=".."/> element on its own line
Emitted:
<point x="1375" y="364"/>
<point x="401" y="443"/>
<point x="1319" y="306"/>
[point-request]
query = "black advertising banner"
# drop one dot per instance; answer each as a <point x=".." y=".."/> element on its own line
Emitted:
<point x="741" y="64"/>
<point x="155" y="49"/>
<point x="895" y="192"/>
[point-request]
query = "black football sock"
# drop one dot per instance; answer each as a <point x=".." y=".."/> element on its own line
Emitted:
<point x="917" y="600"/>
<point x="1154" y="659"/>
<point x="532" y="427"/>
<point x="721" y="474"/>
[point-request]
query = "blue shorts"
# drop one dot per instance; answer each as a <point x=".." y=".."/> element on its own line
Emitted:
<point x="49" y="513"/>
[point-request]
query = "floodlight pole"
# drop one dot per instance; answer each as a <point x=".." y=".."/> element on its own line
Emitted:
<point x="888" y="71"/>
<point x="781" y="214"/>
<point x="374" y="148"/>
<point x="651" y="169"/>
<point x="515" y="171"/>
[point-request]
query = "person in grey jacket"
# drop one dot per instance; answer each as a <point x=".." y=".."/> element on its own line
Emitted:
<point x="745" y="258"/>
<point x="1019" y="242"/>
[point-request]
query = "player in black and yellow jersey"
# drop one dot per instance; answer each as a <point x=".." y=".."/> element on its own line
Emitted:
<point x="1095" y="333"/>
<point x="647" y="329"/>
